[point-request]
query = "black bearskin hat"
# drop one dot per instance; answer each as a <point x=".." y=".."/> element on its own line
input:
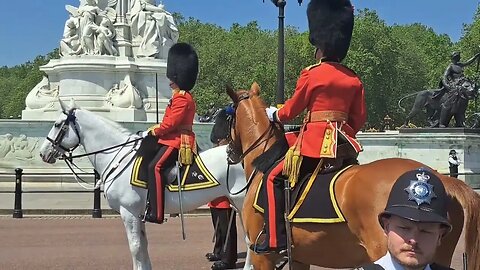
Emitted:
<point x="330" y="23"/>
<point x="182" y="66"/>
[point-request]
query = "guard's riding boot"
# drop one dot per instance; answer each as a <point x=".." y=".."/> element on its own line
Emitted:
<point x="274" y="228"/>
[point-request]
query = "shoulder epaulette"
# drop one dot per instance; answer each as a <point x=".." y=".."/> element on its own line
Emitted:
<point x="178" y="91"/>
<point x="313" y="66"/>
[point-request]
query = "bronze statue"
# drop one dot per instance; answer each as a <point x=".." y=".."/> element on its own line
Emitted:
<point x="453" y="75"/>
<point x="450" y="100"/>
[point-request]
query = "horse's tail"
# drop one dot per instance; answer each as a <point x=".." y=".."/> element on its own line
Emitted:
<point x="470" y="202"/>
<point x="407" y="96"/>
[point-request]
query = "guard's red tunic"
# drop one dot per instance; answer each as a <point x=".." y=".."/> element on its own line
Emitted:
<point x="327" y="87"/>
<point x="177" y="120"/>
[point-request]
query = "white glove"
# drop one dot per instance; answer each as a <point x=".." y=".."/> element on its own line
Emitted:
<point x="144" y="134"/>
<point x="270" y="113"/>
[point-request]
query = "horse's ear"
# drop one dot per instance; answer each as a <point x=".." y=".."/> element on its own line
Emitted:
<point x="255" y="88"/>
<point x="63" y="105"/>
<point x="72" y="105"/>
<point x="231" y="93"/>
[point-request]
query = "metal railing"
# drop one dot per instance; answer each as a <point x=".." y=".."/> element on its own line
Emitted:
<point x="96" y="211"/>
<point x="17" y="209"/>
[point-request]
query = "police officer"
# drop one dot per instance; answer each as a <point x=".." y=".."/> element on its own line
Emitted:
<point x="453" y="163"/>
<point x="415" y="222"/>
<point x="174" y="134"/>
<point x="333" y="97"/>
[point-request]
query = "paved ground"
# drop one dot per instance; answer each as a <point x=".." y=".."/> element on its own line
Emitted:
<point x="61" y="242"/>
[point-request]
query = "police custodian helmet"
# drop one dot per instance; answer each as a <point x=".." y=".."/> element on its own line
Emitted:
<point x="182" y="66"/>
<point x="330" y="24"/>
<point x="420" y="196"/>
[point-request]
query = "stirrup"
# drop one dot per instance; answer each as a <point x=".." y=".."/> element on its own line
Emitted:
<point x="144" y="216"/>
<point x="263" y="248"/>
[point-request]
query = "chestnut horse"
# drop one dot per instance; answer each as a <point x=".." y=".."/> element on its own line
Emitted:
<point x="361" y="191"/>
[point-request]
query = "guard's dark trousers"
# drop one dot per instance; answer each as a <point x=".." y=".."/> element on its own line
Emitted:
<point x="164" y="159"/>
<point x="221" y="219"/>
<point x="275" y="209"/>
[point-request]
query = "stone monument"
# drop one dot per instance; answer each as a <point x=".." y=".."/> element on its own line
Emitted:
<point x="113" y="62"/>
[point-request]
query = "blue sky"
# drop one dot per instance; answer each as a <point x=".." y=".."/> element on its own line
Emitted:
<point x="36" y="27"/>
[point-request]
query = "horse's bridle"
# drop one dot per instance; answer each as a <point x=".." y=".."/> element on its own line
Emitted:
<point x="57" y="142"/>
<point x="71" y="119"/>
<point x="232" y="148"/>
<point x="67" y="154"/>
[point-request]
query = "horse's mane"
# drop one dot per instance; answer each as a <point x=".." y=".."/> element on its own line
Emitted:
<point x="110" y="122"/>
<point x="277" y="151"/>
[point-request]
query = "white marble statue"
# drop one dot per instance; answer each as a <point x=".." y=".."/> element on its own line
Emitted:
<point x="42" y="96"/>
<point x="7" y="145"/>
<point x="23" y="147"/>
<point x="125" y="95"/>
<point x="95" y="27"/>
<point x="70" y="43"/>
<point x="105" y="34"/>
<point x="153" y="27"/>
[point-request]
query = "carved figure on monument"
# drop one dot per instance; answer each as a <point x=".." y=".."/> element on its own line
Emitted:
<point x="42" y="95"/>
<point x="70" y="43"/>
<point x="6" y="145"/>
<point x="125" y="95"/>
<point x="95" y="30"/>
<point x="105" y="35"/>
<point x="23" y="149"/>
<point x="153" y="27"/>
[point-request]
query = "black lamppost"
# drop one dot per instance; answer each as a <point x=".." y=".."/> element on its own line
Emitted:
<point x="280" y="96"/>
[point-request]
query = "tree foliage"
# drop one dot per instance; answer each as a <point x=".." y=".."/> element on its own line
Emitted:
<point x="392" y="61"/>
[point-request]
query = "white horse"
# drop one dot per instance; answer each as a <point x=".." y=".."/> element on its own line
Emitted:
<point x="81" y="127"/>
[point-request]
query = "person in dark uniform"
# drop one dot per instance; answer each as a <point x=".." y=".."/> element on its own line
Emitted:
<point x="174" y="134"/>
<point x="333" y="97"/>
<point x="223" y="216"/>
<point x="415" y="222"/>
<point x="453" y="163"/>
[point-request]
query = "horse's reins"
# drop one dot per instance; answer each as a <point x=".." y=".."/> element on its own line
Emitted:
<point x="68" y="156"/>
<point x="268" y="133"/>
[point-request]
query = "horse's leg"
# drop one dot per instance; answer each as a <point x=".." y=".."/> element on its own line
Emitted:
<point x="137" y="240"/>
<point x="248" y="262"/>
<point x="248" y="258"/>
<point x="262" y="262"/>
